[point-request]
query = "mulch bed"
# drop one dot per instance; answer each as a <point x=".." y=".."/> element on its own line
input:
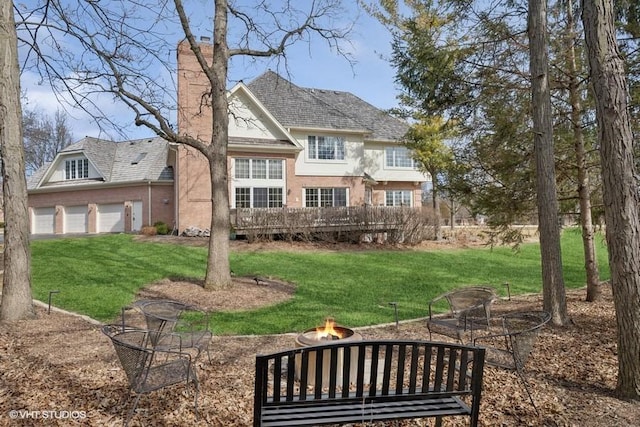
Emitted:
<point x="60" y="362"/>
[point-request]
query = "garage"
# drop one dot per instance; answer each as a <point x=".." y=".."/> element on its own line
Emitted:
<point x="43" y="220"/>
<point x="111" y="218"/>
<point x="75" y="219"/>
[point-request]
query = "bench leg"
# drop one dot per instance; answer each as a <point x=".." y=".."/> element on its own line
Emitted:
<point x="438" y="421"/>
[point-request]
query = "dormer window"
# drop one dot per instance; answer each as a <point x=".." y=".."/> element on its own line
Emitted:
<point x="76" y="169"/>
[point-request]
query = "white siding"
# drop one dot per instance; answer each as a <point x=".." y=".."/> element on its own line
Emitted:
<point x="352" y="165"/>
<point x="246" y="120"/>
<point x="375" y="161"/>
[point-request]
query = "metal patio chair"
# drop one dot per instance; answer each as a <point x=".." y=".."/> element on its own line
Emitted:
<point x="141" y="363"/>
<point x="467" y="309"/>
<point x="173" y="323"/>
<point x="511" y="348"/>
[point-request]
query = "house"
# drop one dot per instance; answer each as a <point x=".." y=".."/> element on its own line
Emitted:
<point x="292" y="147"/>
<point x="97" y="186"/>
<point x="288" y="146"/>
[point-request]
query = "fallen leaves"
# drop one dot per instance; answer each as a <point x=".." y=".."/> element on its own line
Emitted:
<point x="61" y="362"/>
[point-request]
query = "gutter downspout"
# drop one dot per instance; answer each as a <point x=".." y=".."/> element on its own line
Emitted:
<point x="176" y="186"/>
<point x="149" y="201"/>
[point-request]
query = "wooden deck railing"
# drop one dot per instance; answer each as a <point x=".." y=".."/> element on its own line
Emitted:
<point x="294" y="220"/>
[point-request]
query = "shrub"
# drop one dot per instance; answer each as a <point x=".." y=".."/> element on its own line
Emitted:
<point x="161" y="228"/>
<point x="148" y="230"/>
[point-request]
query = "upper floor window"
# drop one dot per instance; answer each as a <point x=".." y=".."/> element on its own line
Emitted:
<point x="398" y="157"/>
<point x="325" y="197"/>
<point x="398" y="197"/>
<point x="258" y="168"/>
<point x="76" y="169"/>
<point x="325" y="147"/>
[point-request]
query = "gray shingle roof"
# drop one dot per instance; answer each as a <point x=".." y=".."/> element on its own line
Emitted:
<point x="298" y="107"/>
<point x="116" y="161"/>
<point x="129" y="165"/>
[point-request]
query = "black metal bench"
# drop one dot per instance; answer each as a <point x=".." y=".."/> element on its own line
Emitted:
<point x="366" y="381"/>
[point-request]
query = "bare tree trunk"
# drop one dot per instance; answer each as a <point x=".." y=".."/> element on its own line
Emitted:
<point x="16" y="287"/>
<point x="621" y="199"/>
<point x="552" y="280"/>
<point x="584" y="189"/>
<point x="218" y="267"/>
<point x="436" y="209"/>
<point x="452" y="215"/>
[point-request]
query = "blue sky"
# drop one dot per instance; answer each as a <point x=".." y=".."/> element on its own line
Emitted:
<point x="371" y="77"/>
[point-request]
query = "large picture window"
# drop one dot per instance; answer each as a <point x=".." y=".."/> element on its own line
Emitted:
<point x="325" y="197"/>
<point x="258" y="183"/>
<point x="76" y="169"/>
<point x="398" y="157"/>
<point x="325" y="147"/>
<point x="258" y="197"/>
<point x="398" y="197"/>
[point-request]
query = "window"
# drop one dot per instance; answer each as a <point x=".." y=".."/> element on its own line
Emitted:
<point x="243" y="197"/>
<point x="259" y="183"/>
<point x="325" y="147"/>
<point x="258" y="197"/>
<point x="398" y="198"/>
<point x="76" y="169"/>
<point x="275" y="169"/>
<point x="325" y="197"/>
<point x="258" y="168"/>
<point x="398" y="157"/>
<point x="243" y="168"/>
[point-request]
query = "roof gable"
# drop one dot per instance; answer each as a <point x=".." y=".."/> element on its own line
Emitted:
<point x="127" y="161"/>
<point x="251" y="123"/>
<point x="298" y="107"/>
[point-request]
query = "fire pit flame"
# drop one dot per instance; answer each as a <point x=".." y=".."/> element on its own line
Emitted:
<point x="331" y="331"/>
<point x="328" y="332"/>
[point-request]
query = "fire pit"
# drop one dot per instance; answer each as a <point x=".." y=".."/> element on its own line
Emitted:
<point x="324" y="335"/>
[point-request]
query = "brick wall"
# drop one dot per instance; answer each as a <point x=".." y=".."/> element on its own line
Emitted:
<point x="159" y="195"/>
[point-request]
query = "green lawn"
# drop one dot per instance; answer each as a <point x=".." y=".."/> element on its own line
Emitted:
<point x="96" y="276"/>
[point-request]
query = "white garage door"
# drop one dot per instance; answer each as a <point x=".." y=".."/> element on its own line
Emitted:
<point x="75" y="219"/>
<point x="43" y="221"/>
<point x="111" y="218"/>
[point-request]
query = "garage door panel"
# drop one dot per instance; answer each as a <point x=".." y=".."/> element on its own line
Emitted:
<point x="75" y="219"/>
<point x="44" y="220"/>
<point x="111" y="218"/>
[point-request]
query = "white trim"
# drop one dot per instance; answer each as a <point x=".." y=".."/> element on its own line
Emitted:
<point x="304" y="129"/>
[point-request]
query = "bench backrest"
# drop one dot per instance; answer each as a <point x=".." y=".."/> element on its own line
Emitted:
<point x="372" y="370"/>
